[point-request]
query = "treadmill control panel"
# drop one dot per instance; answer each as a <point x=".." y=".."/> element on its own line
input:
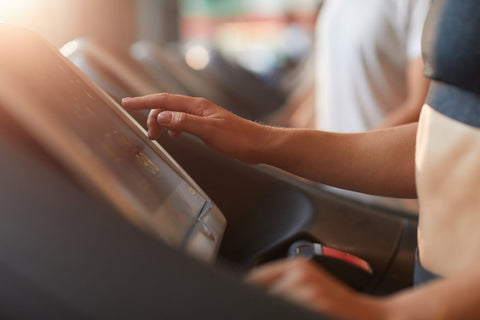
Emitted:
<point x="102" y="145"/>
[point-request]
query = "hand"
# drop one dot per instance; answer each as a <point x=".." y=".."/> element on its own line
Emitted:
<point x="303" y="282"/>
<point x="218" y="128"/>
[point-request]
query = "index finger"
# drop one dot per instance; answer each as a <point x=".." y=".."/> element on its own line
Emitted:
<point x="166" y="101"/>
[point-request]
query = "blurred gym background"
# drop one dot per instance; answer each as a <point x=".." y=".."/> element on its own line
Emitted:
<point x="257" y="34"/>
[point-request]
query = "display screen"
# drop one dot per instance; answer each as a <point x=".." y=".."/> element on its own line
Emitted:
<point x="172" y="204"/>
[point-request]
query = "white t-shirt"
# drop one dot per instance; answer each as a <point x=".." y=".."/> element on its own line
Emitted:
<point x="363" y="47"/>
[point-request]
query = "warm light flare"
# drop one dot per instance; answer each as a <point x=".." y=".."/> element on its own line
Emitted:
<point x="197" y="57"/>
<point x="69" y="48"/>
<point x="14" y="10"/>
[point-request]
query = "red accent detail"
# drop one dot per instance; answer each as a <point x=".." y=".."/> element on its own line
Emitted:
<point x="347" y="257"/>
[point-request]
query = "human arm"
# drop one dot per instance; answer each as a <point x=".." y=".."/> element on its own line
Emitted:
<point x="416" y="83"/>
<point x="366" y="162"/>
<point x="303" y="282"/>
<point x="417" y="88"/>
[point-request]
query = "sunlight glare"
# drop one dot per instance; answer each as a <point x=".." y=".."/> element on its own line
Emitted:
<point x="69" y="48"/>
<point x="197" y="57"/>
<point x="14" y="10"/>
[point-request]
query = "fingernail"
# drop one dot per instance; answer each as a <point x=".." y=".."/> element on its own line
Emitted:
<point x="164" y="117"/>
<point x="125" y="99"/>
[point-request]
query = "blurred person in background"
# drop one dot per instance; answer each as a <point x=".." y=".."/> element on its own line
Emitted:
<point x="369" y="69"/>
<point x="368" y="73"/>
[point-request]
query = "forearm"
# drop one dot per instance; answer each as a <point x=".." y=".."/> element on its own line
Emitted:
<point x="406" y="113"/>
<point x="366" y="162"/>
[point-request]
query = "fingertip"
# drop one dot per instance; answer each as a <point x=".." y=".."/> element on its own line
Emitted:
<point x="154" y="134"/>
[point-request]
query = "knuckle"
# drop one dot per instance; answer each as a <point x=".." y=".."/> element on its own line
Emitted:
<point x="152" y="116"/>
<point x="302" y="270"/>
<point x="180" y="118"/>
<point x="300" y="263"/>
<point x="162" y="97"/>
<point x="300" y="274"/>
<point x="202" y="103"/>
<point x="150" y="121"/>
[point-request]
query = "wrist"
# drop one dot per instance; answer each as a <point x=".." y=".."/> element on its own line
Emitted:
<point x="373" y="308"/>
<point x="263" y="143"/>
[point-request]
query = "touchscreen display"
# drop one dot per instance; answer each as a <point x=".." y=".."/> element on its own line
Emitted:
<point x="60" y="94"/>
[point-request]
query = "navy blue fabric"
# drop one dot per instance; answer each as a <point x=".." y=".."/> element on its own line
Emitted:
<point x="451" y="43"/>
<point x="422" y="275"/>
<point x="456" y="103"/>
<point x="451" y="52"/>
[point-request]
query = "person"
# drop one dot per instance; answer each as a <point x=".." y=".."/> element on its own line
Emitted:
<point x="368" y="74"/>
<point x="436" y="159"/>
<point x="369" y="69"/>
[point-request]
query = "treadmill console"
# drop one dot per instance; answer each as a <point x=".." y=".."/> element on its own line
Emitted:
<point x="100" y="144"/>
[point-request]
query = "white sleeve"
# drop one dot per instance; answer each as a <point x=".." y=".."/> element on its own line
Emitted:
<point x="418" y="10"/>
